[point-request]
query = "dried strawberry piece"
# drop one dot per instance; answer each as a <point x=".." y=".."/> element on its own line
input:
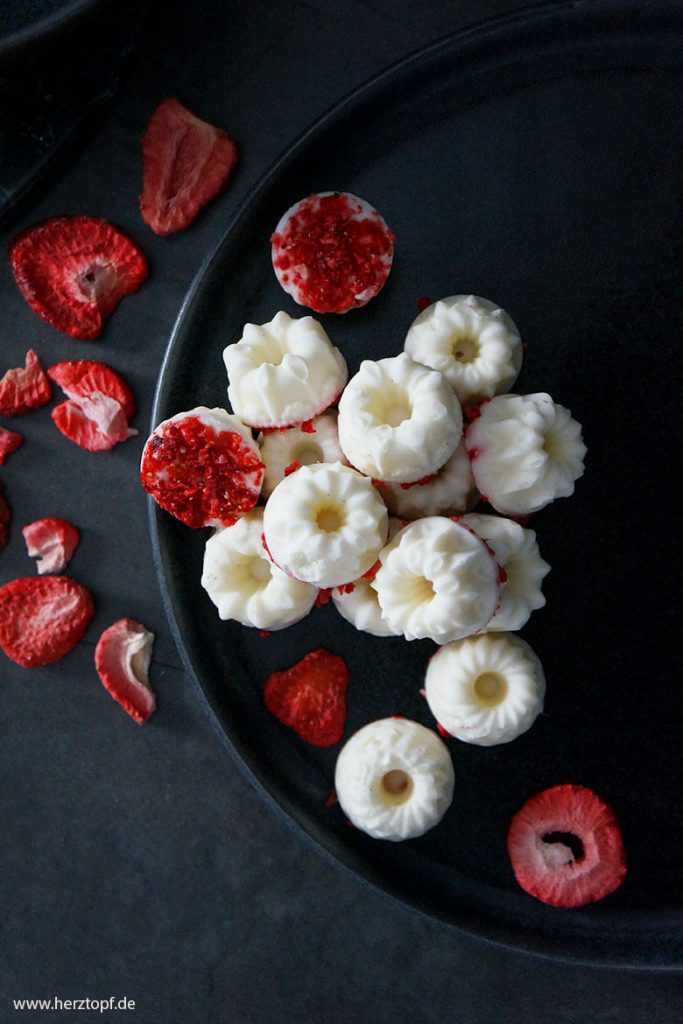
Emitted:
<point x="25" y="387"/>
<point x="42" y="618"/>
<point x="99" y="405"/>
<point x="52" y="541"/>
<point x="566" y="848"/>
<point x="5" y="517"/>
<point x="310" y="697"/>
<point x="9" y="442"/>
<point x="203" y="467"/>
<point x="187" y="161"/>
<point x="74" y="271"/>
<point x="122" y="658"/>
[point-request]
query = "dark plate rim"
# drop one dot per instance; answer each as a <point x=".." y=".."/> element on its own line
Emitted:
<point x="604" y="12"/>
<point x="43" y="29"/>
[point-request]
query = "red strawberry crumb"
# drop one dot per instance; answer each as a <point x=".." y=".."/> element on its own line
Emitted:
<point x="42" y="618"/>
<point x="5" y="517"/>
<point x="310" y="697"/>
<point x="187" y="162"/>
<point x="264" y="633"/>
<point x="200" y="475"/>
<point x="566" y="848"/>
<point x="24" y="388"/>
<point x="324" y="595"/>
<point x="307" y="427"/>
<point x="52" y="541"/>
<point x="99" y="405"/>
<point x="292" y="467"/>
<point x="444" y="733"/>
<point x="424" y="303"/>
<point x="419" y="483"/>
<point x="331" y="799"/>
<point x="346" y="588"/>
<point x="379" y="484"/>
<point x="9" y="442"/>
<point x="122" y="658"/>
<point x="372" y="571"/>
<point x="74" y="271"/>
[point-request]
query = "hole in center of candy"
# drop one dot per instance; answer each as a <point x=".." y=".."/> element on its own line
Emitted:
<point x="307" y="454"/>
<point x="568" y="839"/>
<point x="394" y="407"/>
<point x="259" y="570"/>
<point x="464" y="349"/>
<point x="397" y="786"/>
<point x="329" y="518"/>
<point x="490" y="688"/>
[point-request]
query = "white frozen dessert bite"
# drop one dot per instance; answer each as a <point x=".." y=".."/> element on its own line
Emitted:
<point x="398" y="420"/>
<point x="437" y="580"/>
<point x="358" y="603"/>
<point x="485" y="689"/>
<point x="516" y="551"/>
<point x="451" y="491"/>
<point x="325" y="524"/>
<point x="283" y="372"/>
<point x="471" y="341"/>
<point x="525" y="451"/>
<point x="283" y="449"/>
<point x="394" y="779"/>
<point x="245" y="584"/>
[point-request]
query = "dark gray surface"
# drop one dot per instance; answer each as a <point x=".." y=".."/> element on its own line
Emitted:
<point x="137" y="861"/>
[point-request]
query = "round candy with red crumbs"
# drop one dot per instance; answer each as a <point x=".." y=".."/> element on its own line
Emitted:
<point x="122" y="658"/>
<point x="203" y="466"/>
<point x="42" y="618"/>
<point x="332" y="252"/>
<point x="566" y="848"/>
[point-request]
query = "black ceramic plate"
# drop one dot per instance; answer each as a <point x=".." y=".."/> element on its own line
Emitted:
<point x="533" y="160"/>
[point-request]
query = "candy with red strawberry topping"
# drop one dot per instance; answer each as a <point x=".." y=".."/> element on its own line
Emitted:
<point x="122" y="658"/>
<point x="566" y="847"/>
<point x="202" y="466"/>
<point x="310" y="697"/>
<point x="186" y="163"/>
<point x="74" y="271"/>
<point x="42" y="618"/>
<point x="332" y="252"/>
<point x="52" y="541"/>
<point x="9" y="442"/>
<point x="99" y="405"/>
<point x="24" y="387"/>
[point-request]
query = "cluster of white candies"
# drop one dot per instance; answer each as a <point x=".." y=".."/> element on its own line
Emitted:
<point x="378" y="484"/>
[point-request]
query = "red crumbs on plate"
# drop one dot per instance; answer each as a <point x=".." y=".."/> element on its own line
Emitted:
<point x="9" y="442"/>
<point x="122" y="658"/>
<point x="74" y="271"/>
<point x="99" y="404"/>
<point x="332" y="252"/>
<point x="566" y="848"/>
<point x="310" y="697"/>
<point x="42" y="618"/>
<point x="202" y="476"/>
<point x="24" y="388"/>
<point x="52" y="541"/>
<point x="424" y="303"/>
<point x="187" y="161"/>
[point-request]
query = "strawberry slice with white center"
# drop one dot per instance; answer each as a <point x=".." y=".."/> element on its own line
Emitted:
<point x="122" y="658"/>
<point x="74" y="271"/>
<point x="52" y="541"/>
<point x="566" y="848"/>
<point x="99" y="405"/>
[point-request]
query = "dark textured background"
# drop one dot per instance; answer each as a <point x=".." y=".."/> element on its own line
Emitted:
<point x="137" y="861"/>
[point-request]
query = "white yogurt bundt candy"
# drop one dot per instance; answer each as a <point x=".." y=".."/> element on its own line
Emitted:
<point x="437" y="580"/>
<point x="359" y="604"/>
<point x="471" y="341"/>
<point x="394" y="779"/>
<point x="283" y="372"/>
<point x="525" y="451"/>
<point x="398" y="420"/>
<point x="516" y="551"/>
<point x="280" y="449"/>
<point x="485" y="689"/>
<point x="325" y="524"/>
<point x="245" y="584"/>
<point x="450" y="492"/>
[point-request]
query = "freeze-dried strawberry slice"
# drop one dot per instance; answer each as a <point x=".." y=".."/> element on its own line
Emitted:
<point x="42" y="618"/>
<point x="566" y="847"/>
<point x="25" y="387"/>
<point x="122" y="658"/>
<point x="186" y="163"/>
<point x="9" y="442"/>
<point x="74" y="271"/>
<point x="310" y="697"/>
<point x="99" y="406"/>
<point x="5" y="517"/>
<point x="203" y="466"/>
<point x="52" y="541"/>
